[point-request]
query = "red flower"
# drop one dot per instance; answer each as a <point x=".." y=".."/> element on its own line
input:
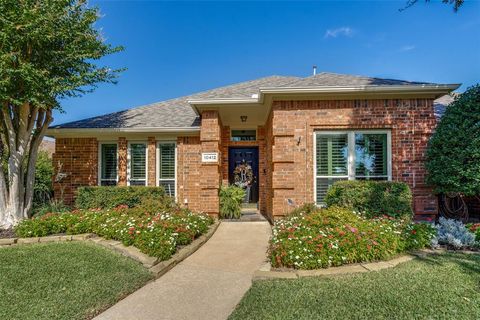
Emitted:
<point x="414" y="231"/>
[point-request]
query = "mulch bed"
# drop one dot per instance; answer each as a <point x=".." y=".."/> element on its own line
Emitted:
<point x="7" y="233"/>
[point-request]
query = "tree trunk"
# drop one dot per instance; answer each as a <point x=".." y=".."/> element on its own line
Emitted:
<point x="22" y="129"/>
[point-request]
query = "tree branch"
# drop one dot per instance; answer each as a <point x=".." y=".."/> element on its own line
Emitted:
<point x="44" y="118"/>
<point x="9" y="127"/>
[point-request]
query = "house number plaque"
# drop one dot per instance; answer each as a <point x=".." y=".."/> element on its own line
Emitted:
<point x="209" y="157"/>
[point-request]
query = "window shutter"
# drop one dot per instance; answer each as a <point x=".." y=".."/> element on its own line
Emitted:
<point x="332" y="155"/>
<point x="167" y="161"/>
<point x="108" y="175"/>
<point x="138" y="163"/>
<point x="371" y="156"/>
<point x="166" y="168"/>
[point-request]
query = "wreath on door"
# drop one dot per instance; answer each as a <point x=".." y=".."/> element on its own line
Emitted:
<point x="243" y="175"/>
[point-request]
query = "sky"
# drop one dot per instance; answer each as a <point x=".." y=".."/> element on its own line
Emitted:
<point x="178" y="48"/>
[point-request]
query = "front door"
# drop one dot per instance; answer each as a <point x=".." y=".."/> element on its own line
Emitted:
<point x="240" y="158"/>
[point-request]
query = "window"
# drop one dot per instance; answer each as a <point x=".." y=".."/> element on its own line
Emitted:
<point x="244" y="135"/>
<point x="108" y="164"/>
<point x="137" y="156"/>
<point x="350" y="155"/>
<point x="371" y="156"/>
<point x="166" y="166"/>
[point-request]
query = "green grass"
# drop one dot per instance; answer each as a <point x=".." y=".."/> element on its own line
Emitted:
<point x="438" y="287"/>
<point x="64" y="280"/>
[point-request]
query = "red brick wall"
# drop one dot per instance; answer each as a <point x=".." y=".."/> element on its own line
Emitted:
<point x="189" y="175"/>
<point x="293" y="123"/>
<point x="152" y="162"/>
<point x="122" y="161"/>
<point x="210" y="173"/>
<point x="78" y="159"/>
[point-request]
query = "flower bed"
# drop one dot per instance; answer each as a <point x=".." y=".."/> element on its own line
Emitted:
<point x="157" y="235"/>
<point x="335" y="236"/>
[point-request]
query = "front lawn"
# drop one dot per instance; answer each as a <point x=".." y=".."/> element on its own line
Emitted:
<point x="64" y="280"/>
<point x="438" y="287"/>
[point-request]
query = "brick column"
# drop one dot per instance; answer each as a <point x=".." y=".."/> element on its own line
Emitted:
<point x="152" y="162"/>
<point x="210" y="173"/>
<point x="122" y="161"/>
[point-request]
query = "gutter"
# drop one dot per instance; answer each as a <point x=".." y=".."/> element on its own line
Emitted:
<point x="53" y="131"/>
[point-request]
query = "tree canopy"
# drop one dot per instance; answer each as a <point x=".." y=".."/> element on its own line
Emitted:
<point x="453" y="155"/>
<point x="456" y="3"/>
<point x="49" y="50"/>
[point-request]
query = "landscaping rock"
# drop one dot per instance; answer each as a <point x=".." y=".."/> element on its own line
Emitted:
<point x="83" y="236"/>
<point x="7" y="241"/>
<point x="49" y="239"/>
<point x="402" y="259"/>
<point x="263" y="275"/>
<point x="332" y="271"/>
<point x="376" y="266"/>
<point x="28" y="240"/>
<point x="136" y="254"/>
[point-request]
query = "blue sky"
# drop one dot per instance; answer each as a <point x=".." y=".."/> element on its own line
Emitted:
<point x="177" y="48"/>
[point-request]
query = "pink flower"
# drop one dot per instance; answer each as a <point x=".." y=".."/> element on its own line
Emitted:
<point x="352" y="229"/>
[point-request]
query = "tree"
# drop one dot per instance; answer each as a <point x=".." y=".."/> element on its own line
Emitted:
<point x="48" y="51"/>
<point x="453" y="155"/>
<point x="456" y="4"/>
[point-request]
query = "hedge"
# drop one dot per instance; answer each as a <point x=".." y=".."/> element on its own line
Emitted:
<point x="111" y="197"/>
<point x="372" y="198"/>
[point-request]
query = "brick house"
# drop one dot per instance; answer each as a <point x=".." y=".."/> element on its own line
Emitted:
<point x="299" y="135"/>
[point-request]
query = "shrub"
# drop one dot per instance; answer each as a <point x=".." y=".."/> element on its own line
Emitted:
<point x="111" y="197"/>
<point x="332" y="237"/>
<point x="231" y="198"/>
<point x="51" y="206"/>
<point x="453" y="154"/>
<point x="157" y="235"/>
<point x="453" y="233"/>
<point x="418" y="235"/>
<point x="475" y="228"/>
<point x="43" y="189"/>
<point x="373" y="198"/>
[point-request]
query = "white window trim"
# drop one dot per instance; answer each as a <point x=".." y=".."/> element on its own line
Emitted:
<point x="99" y="179"/>
<point x="351" y="154"/>
<point x="129" y="161"/>
<point x="157" y="165"/>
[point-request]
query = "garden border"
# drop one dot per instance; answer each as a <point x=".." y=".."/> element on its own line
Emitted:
<point x="154" y="265"/>
<point x="266" y="272"/>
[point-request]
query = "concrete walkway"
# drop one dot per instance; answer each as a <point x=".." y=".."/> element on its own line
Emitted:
<point x="206" y="285"/>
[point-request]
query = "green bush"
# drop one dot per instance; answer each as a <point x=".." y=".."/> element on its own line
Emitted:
<point x="43" y="188"/>
<point x="324" y="237"/>
<point x="332" y="237"/>
<point x="111" y="197"/>
<point x="157" y="235"/>
<point x="453" y="154"/>
<point x="372" y="198"/>
<point x="418" y="235"/>
<point x="50" y="206"/>
<point x="231" y="198"/>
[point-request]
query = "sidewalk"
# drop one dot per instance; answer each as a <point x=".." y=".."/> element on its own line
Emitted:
<point x="206" y="285"/>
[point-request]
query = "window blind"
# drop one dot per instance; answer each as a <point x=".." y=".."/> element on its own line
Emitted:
<point x="138" y="163"/>
<point x="108" y="174"/>
<point x="166" y="167"/>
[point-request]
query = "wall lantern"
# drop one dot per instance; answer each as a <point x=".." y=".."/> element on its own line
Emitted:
<point x="243" y="118"/>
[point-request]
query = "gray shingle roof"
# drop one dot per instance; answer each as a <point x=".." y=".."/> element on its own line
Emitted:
<point x="177" y="113"/>
<point x="174" y="113"/>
